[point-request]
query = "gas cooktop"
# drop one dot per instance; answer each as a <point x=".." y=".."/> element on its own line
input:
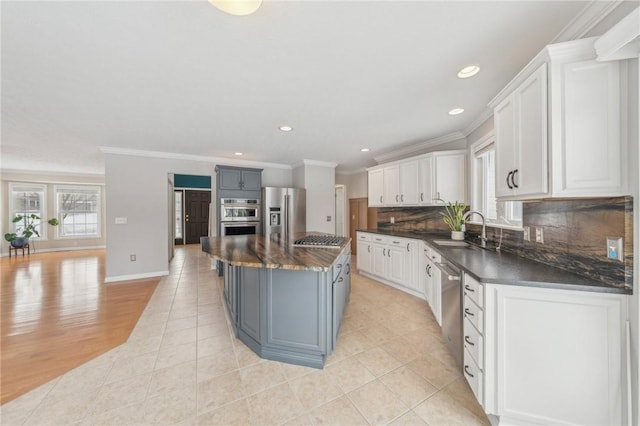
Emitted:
<point x="319" y="241"/>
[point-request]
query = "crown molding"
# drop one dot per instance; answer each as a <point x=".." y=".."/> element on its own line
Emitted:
<point x="351" y="172"/>
<point x="51" y="173"/>
<point x="417" y="148"/>
<point x="189" y="157"/>
<point x="319" y="163"/>
<point x="622" y="41"/>
<point x="583" y="22"/>
<point x="486" y="114"/>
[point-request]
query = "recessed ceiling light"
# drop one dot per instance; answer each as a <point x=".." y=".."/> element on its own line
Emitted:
<point x="468" y="71"/>
<point x="238" y="153"/>
<point x="456" y="111"/>
<point x="364" y="149"/>
<point x="286" y="128"/>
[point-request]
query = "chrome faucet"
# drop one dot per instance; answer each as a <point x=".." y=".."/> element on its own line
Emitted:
<point x="483" y="237"/>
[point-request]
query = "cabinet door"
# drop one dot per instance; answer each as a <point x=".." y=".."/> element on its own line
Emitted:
<point x="589" y="159"/>
<point x="376" y="185"/>
<point x="391" y="190"/>
<point x="339" y="303"/>
<point x="396" y="271"/>
<point x="412" y="267"/>
<point x="379" y="266"/>
<point x="550" y="345"/>
<point x="409" y="182"/>
<point x="251" y="180"/>
<point x="505" y="130"/>
<point x="229" y="178"/>
<point x="364" y="256"/>
<point x="530" y="174"/>
<point x="426" y="181"/>
<point x="450" y="177"/>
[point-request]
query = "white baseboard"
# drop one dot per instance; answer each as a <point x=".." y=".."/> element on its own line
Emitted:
<point x="135" y="276"/>
<point x="49" y="250"/>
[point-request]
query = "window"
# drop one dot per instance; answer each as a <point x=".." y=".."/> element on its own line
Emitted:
<point x="26" y="199"/>
<point x="78" y="210"/>
<point x="178" y="214"/>
<point x="501" y="214"/>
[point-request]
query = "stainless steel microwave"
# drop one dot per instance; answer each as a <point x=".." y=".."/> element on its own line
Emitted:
<point x="239" y="210"/>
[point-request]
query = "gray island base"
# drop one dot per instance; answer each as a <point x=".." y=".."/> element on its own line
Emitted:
<point x="284" y="312"/>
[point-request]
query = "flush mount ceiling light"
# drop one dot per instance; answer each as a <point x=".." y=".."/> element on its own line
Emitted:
<point x="468" y="71"/>
<point x="286" y="128"/>
<point x="456" y="111"/>
<point x="238" y="153"/>
<point x="364" y="149"/>
<point x="237" y="7"/>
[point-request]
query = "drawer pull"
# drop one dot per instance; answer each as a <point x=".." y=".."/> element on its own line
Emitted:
<point x="396" y="242"/>
<point x="466" y="339"/>
<point x="466" y="311"/>
<point x="469" y="288"/>
<point x="340" y="279"/>
<point x="407" y="246"/>
<point x="384" y="252"/>
<point x="339" y="265"/>
<point x="467" y="371"/>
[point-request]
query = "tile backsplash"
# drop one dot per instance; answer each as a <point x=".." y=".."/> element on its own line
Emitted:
<point x="575" y="233"/>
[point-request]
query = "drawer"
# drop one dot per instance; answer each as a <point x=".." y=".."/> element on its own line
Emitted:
<point x="380" y="239"/>
<point x="339" y="266"/>
<point x="474" y="377"/>
<point x="363" y="236"/>
<point x="474" y="290"/>
<point x="397" y="242"/>
<point x="473" y="342"/>
<point x="471" y="311"/>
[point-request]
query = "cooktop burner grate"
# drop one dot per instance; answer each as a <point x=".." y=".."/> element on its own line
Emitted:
<point x="319" y="241"/>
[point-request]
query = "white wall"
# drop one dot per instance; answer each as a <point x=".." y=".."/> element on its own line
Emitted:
<point x="356" y="184"/>
<point x="50" y="180"/>
<point x="136" y="188"/>
<point x="320" y="185"/>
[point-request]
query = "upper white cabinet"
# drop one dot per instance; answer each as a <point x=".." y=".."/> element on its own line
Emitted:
<point x="419" y="180"/>
<point x="558" y="127"/>
<point x="376" y="187"/>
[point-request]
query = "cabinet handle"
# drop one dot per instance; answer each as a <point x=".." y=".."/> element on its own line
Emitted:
<point x="396" y="198"/>
<point x="466" y="311"/>
<point x="402" y="198"/>
<point x="407" y="246"/>
<point x="421" y="196"/>
<point x="381" y="198"/>
<point x="396" y="242"/>
<point x="384" y="252"/>
<point x="348" y="268"/>
<point x="466" y="339"/>
<point x="369" y="249"/>
<point x="508" y="176"/>
<point x="467" y="371"/>
<point x="389" y="253"/>
<point x="340" y="279"/>
<point x="469" y="288"/>
<point x="513" y="178"/>
<point x="438" y="194"/>
<point x="339" y="265"/>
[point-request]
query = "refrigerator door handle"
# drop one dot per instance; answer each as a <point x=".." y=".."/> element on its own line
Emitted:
<point x="285" y="223"/>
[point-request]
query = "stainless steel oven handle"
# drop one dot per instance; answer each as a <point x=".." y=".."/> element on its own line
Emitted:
<point x="451" y="275"/>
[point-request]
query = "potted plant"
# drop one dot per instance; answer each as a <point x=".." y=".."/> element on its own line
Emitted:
<point x="27" y="230"/>
<point x="453" y="216"/>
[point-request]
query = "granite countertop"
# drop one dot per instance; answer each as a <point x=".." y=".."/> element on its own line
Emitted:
<point x="490" y="266"/>
<point x="274" y="252"/>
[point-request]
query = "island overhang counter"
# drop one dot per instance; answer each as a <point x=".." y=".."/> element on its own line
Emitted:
<point x="286" y="303"/>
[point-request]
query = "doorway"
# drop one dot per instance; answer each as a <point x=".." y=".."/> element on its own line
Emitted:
<point x="196" y="215"/>
<point x="340" y="213"/>
<point x="360" y="216"/>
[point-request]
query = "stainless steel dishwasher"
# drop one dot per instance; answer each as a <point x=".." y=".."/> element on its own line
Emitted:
<point x="451" y="282"/>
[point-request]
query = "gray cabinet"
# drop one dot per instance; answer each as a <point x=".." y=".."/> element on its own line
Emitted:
<point x="239" y="178"/>
<point x="289" y="315"/>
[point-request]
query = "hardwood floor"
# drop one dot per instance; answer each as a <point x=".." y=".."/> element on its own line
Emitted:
<point x="57" y="313"/>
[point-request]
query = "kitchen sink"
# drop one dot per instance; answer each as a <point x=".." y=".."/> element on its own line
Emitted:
<point x="451" y="243"/>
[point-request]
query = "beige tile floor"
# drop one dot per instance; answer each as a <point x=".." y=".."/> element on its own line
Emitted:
<point x="182" y="365"/>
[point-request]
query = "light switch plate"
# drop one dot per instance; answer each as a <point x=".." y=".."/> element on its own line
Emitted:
<point x="615" y="248"/>
<point x="121" y="220"/>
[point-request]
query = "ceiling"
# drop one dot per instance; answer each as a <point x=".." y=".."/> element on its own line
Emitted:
<point x="183" y="77"/>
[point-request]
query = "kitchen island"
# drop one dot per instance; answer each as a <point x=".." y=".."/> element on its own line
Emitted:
<point x="286" y="303"/>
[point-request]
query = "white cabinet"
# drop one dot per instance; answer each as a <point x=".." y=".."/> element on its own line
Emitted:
<point x="433" y="288"/>
<point x="364" y="251"/>
<point x="521" y="139"/>
<point x="473" y="335"/>
<point x="376" y="187"/>
<point x="553" y="356"/>
<point x="393" y="260"/>
<point x="558" y="127"/>
<point x="419" y="180"/>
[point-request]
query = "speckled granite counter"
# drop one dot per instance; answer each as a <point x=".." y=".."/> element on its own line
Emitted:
<point x="489" y="266"/>
<point x="274" y="252"/>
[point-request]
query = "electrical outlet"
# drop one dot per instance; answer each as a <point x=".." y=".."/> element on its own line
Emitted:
<point x="539" y="235"/>
<point x="527" y="233"/>
<point x="614" y="248"/>
<point x="132" y="257"/>
<point x="393" y="220"/>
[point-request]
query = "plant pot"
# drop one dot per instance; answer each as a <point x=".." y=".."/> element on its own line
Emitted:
<point x="457" y="235"/>
<point x="19" y="242"/>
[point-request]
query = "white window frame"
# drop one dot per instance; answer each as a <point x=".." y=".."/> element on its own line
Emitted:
<point x="478" y="182"/>
<point x="37" y="187"/>
<point x="98" y="189"/>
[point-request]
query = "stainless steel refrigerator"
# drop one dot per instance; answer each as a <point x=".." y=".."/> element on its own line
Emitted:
<point x="284" y="210"/>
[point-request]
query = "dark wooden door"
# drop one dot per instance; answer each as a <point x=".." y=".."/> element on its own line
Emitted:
<point x="358" y="219"/>
<point x="196" y="215"/>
